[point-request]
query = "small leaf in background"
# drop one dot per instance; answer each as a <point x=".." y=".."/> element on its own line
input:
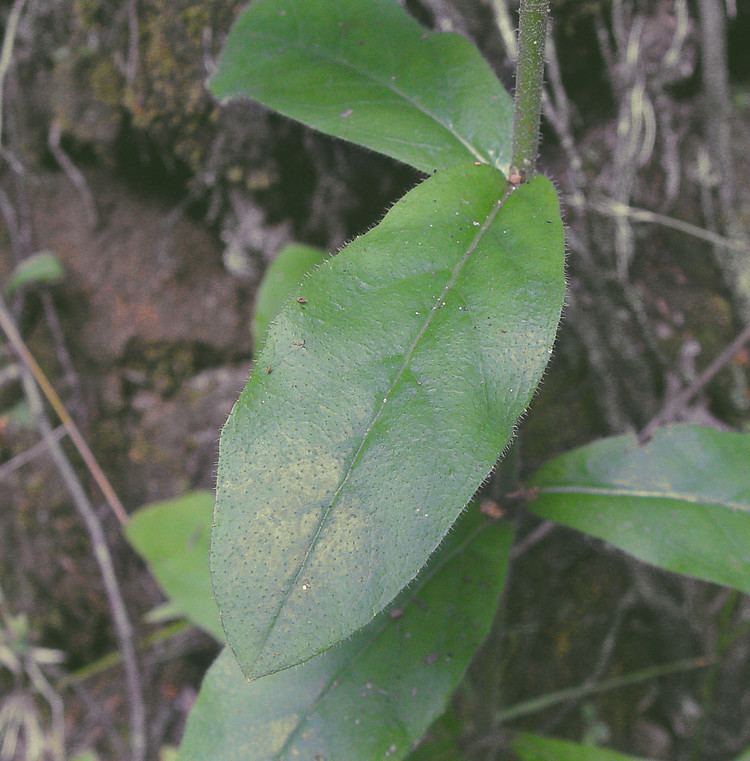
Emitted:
<point x="279" y="282"/>
<point x="680" y="502"/>
<point x="371" y="697"/>
<point x="42" y="268"/>
<point x="745" y="756"/>
<point x="378" y="407"/>
<point x="173" y="538"/>
<point x="366" y="71"/>
<point x="534" y="748"/>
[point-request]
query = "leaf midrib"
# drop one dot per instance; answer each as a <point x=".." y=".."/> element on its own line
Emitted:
<point x="374" y="635"/>
<point x="455" y="274"/>
<point x="388" y="85"/>
<point x="676" y="496"/>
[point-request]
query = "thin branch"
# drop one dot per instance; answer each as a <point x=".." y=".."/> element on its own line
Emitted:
<point x="121" y="620"/>
<point x="72" y="172"/>
<point x="675" y="405"/>
<point x="9" y="328"/>
<point x="602" y="661"/>
<point x="610" y="208"/>
<point x="718" y="102"/>
<point x="131" y="66"/>
<point x="29" y="454"/>
<point x="505" y="25"/>
<point x="543" y="702"/>
<point x="110" y="660"/>
<point x="57" y="708"/>
<point x="6" y="54"/>
<point x="532" y="538"/>
<point x="70" y="376"/>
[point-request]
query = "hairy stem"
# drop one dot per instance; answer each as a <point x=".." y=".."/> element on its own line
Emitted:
<point x="532" y="34"/>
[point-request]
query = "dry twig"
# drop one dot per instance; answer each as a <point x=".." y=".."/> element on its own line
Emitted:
<point x="6" y="54"/>
<point x="72" y="172"/>
<point x="14" y="337"/>
<point x="675" y="406"/>
<point x="121" y="620"/>
<point x="29" y="454"/>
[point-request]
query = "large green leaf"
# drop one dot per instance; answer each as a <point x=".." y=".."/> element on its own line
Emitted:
<point x="172" y="537"/>
<point x="373" y="696"/>
<point x="744" y="756"/>
<point x="281" y="278"/>
<point x="366" y="71"/>
<point x="534" y="748"/>
<point x="681" y="502"/>
<point x="382" y="404"/>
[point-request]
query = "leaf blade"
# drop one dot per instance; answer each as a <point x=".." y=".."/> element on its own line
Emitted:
<point x="43" y="267"/>
<point x="680" y="502"/>
<point x="366" y="71"/>
<point x="172" y="536"/>
<point x="427" y="364"/>
<point x="374" y="695"/>
<point x="283" y="275"/>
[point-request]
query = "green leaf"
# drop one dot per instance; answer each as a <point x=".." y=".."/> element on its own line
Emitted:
<point x="375" y="694"/>
<point x="280" y="280"/>
<point x="534" y="748"/>
<point x="441" y="742"/>
<point x="40" y="268"/>
<point x="172" y="537"/>
<point x="384" y="401"/>
<point x="745" y="756"/>
<point x="366" y="71"/>
<point x="680" y="502"/>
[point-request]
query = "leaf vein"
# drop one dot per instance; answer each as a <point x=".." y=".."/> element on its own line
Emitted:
<point x="692" y="498"/>
<point x="412" y="101"/>
<point x="455" y="274"/>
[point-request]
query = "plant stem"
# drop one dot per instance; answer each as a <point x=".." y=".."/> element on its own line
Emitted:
<point x="535" y="705"/>
<point x="532" y="34"/>
<point x="114" y="658"/>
